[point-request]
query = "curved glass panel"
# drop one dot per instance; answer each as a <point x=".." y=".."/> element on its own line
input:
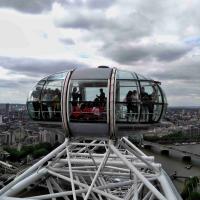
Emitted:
<point x="51" y="100"/>
<point x="164" y="103"/>
<point x="34" y="95"/>
<point x="164" y="96"/>
<point x="127" y="101"/>
<point x="58" y="76"/>
<point x="151" y="102"/>
<point x="164" y="111"/>
<point x="125" y="75"/>
<point x="141" y="77"/>
<point x="33" y="104"/>
<point x="88" y="100"/>
<point x="44" y="101"/>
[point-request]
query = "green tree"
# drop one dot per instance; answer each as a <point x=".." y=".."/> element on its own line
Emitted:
<point x="190" y="187"/>
<point x="39" y="152"/>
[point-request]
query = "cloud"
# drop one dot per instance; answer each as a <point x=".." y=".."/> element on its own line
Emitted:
<point x="15" y="88"/>
<point x="81" y="19"/>
<point x="186" y="70"/>
<point x="126" y="26"/>
<point x="99" y="4"/>
<point x="33" y="66"/>
<point x="129" y="54"/>
<point x="14" y="83"/>
<point x="30" y="6"/>
<point x="92" y="4"/>
<point x="159" y="39"/>
<point x="8" y="83"/>
<point x="21" y="74"/>
<point x="67" y="41"/>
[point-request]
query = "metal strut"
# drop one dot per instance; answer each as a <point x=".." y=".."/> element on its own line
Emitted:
<point x="93" y="170"/>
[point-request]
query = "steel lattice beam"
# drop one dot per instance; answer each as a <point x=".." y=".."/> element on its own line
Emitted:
<point x="76" y="170"/>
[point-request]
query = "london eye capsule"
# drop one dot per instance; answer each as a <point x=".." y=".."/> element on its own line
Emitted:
<point x="97" y="102"/>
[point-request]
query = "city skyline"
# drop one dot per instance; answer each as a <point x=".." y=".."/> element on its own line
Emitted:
<point x="159" y="39"/>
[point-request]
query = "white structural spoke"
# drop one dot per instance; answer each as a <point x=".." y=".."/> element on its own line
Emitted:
<point x="71" y="174"/>
<point x="83" y="194"/>
<point x="50" y="188"/>
<point x="97" y="173"/>
<point x="138" y="174"/>
<point x="55" y="184"/>
<point x="97" y="170"/>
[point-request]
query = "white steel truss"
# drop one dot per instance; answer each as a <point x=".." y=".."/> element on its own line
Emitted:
<point x="97" y="169"/>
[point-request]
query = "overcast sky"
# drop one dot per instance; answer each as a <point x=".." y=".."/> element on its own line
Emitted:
<point x="156" y="38"/>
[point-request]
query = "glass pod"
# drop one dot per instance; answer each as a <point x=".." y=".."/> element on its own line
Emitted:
<point x="97" y="102"/>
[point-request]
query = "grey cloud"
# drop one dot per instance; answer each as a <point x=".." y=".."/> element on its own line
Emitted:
<point x="171" y="52"/>
<point x="67" y="41"/>
<point x="93" y="4"/>
<point x="182" y="93"/>
<point x="153" y="8"/>
<point x="186" y="70"/>
<point x="172" y="17"/>
<point x="132" y="27"/>
<point x="14" y="83"/>
<point x="79" y="20"/>
<point x="180" y="80"/>
<point x="129" y="26"/>
<point x="147" y="17"/>
<point x="8" y="83"/>
<point x="100" y="4"/>
<point x="128" y="54"/>
<point x="75" y="22"/>
<point x="113" y="30"/>
<point x="27" y="6"/>
<point x="181" y="90"/>
<point x="32" y="67"/>
<point x="16" y="89"/>
<point x="124" y="54"/>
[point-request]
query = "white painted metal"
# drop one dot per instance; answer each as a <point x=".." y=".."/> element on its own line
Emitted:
<point x="70" y="172"/>
<point x="133" y="146"/>
<point x="24" y="183"/>
<point x="65" y="103"/>
<point x="119" y="163"/>
<point x="138" y="174"/>
<point x="112" y="103"/>
<point x="117" y="173"/>
<point x="32" y="169"/>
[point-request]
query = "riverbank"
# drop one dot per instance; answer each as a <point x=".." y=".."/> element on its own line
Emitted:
<point x="171" y="164"/>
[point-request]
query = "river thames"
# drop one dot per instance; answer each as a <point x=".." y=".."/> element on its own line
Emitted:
<point x="171" y="164"/>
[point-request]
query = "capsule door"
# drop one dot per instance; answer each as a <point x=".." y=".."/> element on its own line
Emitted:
<point x="88" y="103"/>
<point x="152" y="102"/>
<point x="127" y="103"/>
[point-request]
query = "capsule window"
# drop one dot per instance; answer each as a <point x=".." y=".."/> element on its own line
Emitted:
<point x="88" y="101"/>
<point x="127" y="101"/>
<point x="51" y="100"/>
<point x="151" y="102"/>
<point x="125" y="75"/>
<point x="33" y="103"/>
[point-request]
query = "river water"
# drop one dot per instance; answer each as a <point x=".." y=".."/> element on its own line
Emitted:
<point x="192" y="148"/>
<point x="170" y="164"/>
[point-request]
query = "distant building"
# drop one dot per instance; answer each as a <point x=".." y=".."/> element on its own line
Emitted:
<point x="2" y="108"/>
<point x="51" y="137"/>
<point x="1" y="119"/>
<point x="7" y="106"/>
<point x="7" y="138"/>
